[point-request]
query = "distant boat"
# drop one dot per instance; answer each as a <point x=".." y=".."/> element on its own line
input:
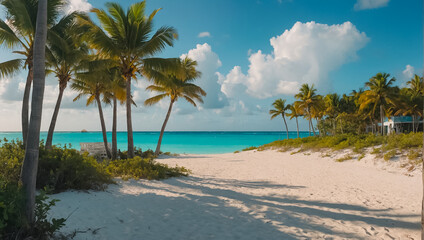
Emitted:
<point x="84" y="131"/>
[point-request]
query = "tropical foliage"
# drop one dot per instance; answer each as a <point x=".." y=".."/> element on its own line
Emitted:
<point x="360" y="111"/>
<point x="175" y="83"/>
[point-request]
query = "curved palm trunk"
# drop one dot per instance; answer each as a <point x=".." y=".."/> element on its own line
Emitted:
<point x="129" y="120"/>
<point x="382" y="119"/>
<point x="114" y="123"/>
<point x="309" y="122"/>
<point x="25" y="103"/>
<point x="102" y="122"/>
<point x="285" y="123"/>
<point x="297" y="125"/>
<point x="312" y="125"/>
<point x="30" y="164"/>
<point x="163" y="128"/>
<point x="49" y="140"/>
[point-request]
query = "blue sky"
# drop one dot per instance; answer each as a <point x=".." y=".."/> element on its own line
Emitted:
<point x="251" y="53"/>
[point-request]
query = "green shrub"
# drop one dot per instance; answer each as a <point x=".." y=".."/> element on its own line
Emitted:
<point x="61" y="169"/>
<point x="344" y="158"/>
<point x="414" y="154"/>
<point x="390" y="154"/>
<point x="11" y="209"/>
<point x="249" y="149"/>
<point x="138" y="152"/>
<point x="138" y="168"/>
<point x="58" y="169"/>
<point x="361" y="156"/>
<point x="13" y="224"/>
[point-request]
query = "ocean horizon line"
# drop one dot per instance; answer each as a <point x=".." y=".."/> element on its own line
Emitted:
<point x="182" y="131"/>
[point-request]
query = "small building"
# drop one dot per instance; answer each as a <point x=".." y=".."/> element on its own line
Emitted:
<point x="401" y="124"/>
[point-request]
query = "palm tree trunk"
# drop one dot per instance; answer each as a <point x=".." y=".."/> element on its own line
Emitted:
<point x="285" y="123"/>
<point x="334" y="127"/>
<point x="129" y="120"/>
<point x="49" y="140"/>
<point x="114" y="123"/>
<point x="341" y="125"/>
<point x="25" y="102"/>
<point x="102" y="122"/>
<point x="413" y="123"/>
<point x="382" y="119"/>
<point x="312" y="125"/>
<point x="30" y="164"/>
<point x="297" y="125"/>
<point x="163" y="128"/>
<point x="309" y="127"/>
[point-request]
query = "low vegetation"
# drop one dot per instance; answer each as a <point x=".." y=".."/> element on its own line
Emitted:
<point x="61" y="169"/>
<point x="386" y="147"/>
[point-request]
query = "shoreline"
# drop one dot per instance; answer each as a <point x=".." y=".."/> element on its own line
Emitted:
<point x="251" y="195"/>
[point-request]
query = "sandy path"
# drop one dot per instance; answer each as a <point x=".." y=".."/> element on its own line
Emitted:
<point x="253" y="195"/>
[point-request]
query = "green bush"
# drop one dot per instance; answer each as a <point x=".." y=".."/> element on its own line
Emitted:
<point x="249" y="149"/>
<point x="13" y="224"/>
<point x="11" y="209"/>
<point x="138" y="168"/>
<point x="138" y="152"/>
<point x="59" y="169"/>
<point x="389" y="155"/>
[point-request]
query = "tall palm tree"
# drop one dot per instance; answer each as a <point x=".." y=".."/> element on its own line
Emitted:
<point x="117" y="92"/>
<point x="280" y="108"/>
<point x="18" y="32"/>
<point x="408" y="104"/>
<point x="416" y="85"/>
<point x="380" y="94"/>
<point x="307" y="98"/>
<point x="94" y="85"/>
<point x="295" y="112"/>
<point x="65" y="54"/>
<point x="128" y="39"/>
<point x="175" y="84"/>
<point x="332" y="108"/>
<point x="30" y="164"/>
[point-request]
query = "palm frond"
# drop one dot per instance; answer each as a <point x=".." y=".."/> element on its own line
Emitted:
<point x="153" y="100"/>
<point x="11" y="67"/>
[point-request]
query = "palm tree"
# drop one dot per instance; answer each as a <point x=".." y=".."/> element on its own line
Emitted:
<point x="30" y="164"/>
<point x="409" y="104"/>
<point x="175" y="84"/>
<point x="18" y="32"/>
<point x="280" y="108"/>
<point x="117" y="92"/>
<point x="64" y="56"/>
<point x="332" y="108"/>
<point x="380" y="94"/>
<point x="127" y="38"/>
<point x="307" y="98"/>
<point x="295" y="112"/>
<point x="416" y="85"/>
<point x="94" y="85"/>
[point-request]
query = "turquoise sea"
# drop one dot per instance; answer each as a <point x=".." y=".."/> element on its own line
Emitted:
<point x="175" y="142"/>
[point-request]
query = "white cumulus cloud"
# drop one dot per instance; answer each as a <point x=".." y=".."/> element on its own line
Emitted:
<point x="370" y="4"/>
<point x="208" y="63"/>
<point x="204" y="34"/>
<point x="77" y="5"/>
<point x="306" y="53"/>
<point x="409" y="71"/>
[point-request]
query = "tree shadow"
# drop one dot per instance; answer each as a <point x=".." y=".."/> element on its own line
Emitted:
<point x="209" y="208"/>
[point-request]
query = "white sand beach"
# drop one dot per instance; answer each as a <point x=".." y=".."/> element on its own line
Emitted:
<point x="253" y="195"/>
